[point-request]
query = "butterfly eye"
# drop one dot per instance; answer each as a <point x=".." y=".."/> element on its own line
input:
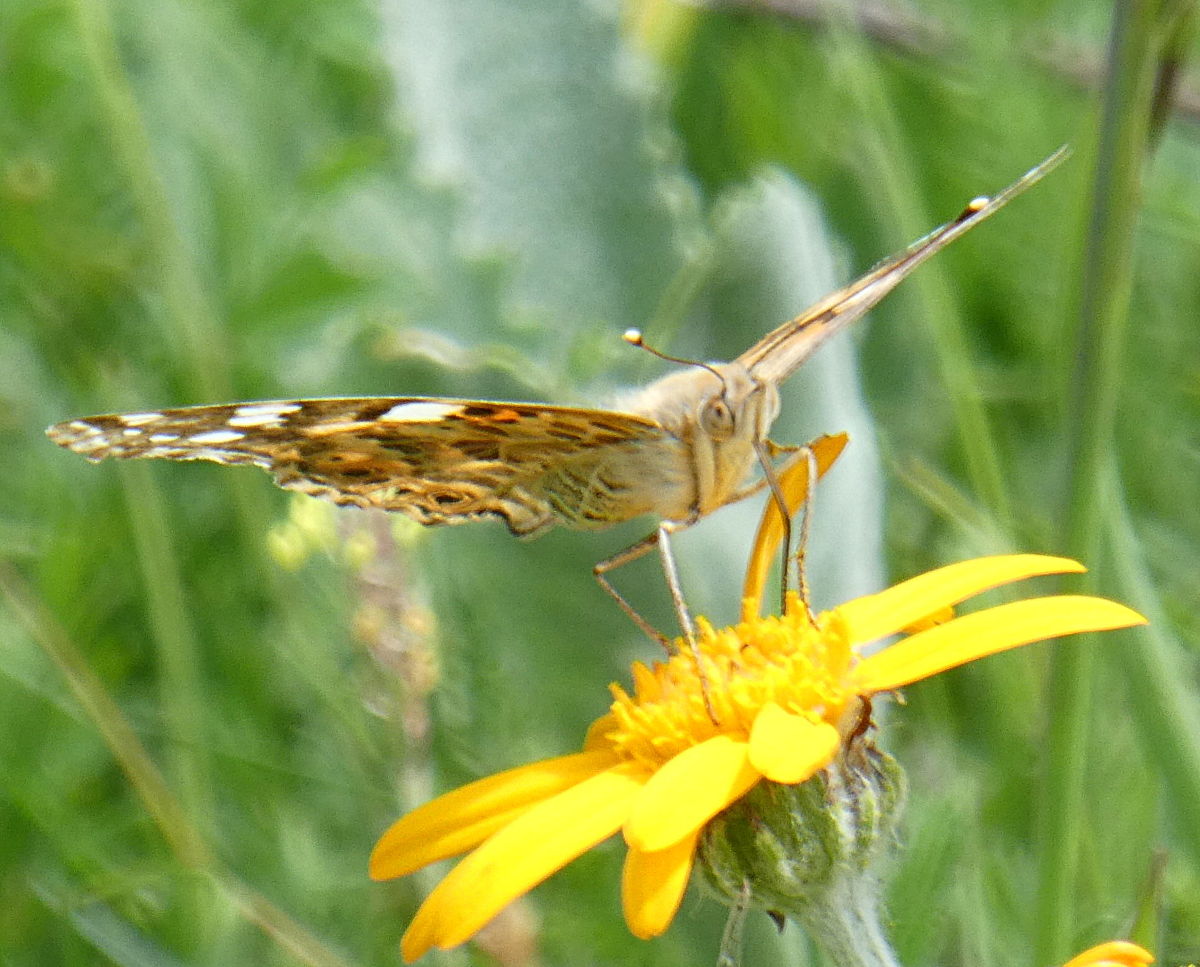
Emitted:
<point x="717" y="419"/>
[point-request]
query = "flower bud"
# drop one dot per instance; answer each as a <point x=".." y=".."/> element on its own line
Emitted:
<point x="785" y="847"/>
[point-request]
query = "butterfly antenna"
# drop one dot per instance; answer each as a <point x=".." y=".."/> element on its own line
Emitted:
<point x="634" y="338"/>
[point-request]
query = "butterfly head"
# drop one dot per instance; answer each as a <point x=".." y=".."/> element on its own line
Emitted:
<point x="732" y="413"/>
<point x="724" y="401"/>
<point x="717" y="412"/>
<point x="738" y="409"/>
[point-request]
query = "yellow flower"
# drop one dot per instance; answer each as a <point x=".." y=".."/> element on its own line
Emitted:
<point x="1115" y="953"/>
<point x="784" y="694"/>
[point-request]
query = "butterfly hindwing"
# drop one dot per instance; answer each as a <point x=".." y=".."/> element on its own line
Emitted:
<point x="438" y="460"/>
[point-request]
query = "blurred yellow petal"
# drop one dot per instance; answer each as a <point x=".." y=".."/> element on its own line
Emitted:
<point x="793" y="482"/>
<point x="653" y="884"/>
<point x="420" y="937"/>
<point x="987" y="632"/>
<point x="915" y="600"/>
<point x="1115" y="953"/>
<point x="464" y="818"/>
<point x="789" y="748"/>
<point x="687" y="791"/>
<point x="518" y="857"/>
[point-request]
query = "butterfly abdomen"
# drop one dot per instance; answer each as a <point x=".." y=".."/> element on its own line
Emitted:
<point x="590" y="492"/>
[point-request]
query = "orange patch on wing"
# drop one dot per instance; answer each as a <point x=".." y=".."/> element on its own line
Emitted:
<point x="506" y="415"/>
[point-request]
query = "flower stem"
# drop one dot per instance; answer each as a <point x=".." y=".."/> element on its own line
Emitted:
<point x="730" y="954"/>
<point x="846" y="924"/>
<point x="1140" y="29"/>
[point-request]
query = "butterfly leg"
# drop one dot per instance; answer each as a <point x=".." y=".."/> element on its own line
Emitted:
<point x="661" y="539"/>
<point x="771" y="479"/>
<point x="631" y="553"/>
<point x="806" y="454"/>
<point x="819" y="456"/>
<point x="664" y="532"/>
<point x="826" y="449"/>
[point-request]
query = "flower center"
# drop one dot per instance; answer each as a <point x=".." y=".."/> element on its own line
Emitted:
<point x="789" y="660"/>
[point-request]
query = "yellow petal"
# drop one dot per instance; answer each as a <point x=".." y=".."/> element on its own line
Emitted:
<point x="1115" y="953"/>
<point x="914" y="600"/>
<point x="987" y="632"/>
<point x="421" y="934"/>
<point x="794" y="484"/>
<point x="518" y="857"/>
<point x="688" y="791"/>
<point x="789" y="748"/>
<point x="653" y="884"/>
<point x="464" y="818"/>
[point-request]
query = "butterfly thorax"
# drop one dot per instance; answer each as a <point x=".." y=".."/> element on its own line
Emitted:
<point x="712" y="418"/>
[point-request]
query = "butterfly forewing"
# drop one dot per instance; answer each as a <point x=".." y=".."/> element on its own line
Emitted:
<point x="777" y="355"/>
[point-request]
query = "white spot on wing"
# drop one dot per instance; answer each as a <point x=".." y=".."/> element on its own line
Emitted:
<point x="163" y="437"/>
<point x="263" y="419"/>
<point x="332" y="429"/>
<point x="422" y="411"/>
<point x="278" y="408"/>
<point x="140" y="419"/>
<point x="262" y="414"/>
<point x="215" y="437"/>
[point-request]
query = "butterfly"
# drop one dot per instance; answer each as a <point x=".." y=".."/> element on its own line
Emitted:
<point x="678" y="449"/>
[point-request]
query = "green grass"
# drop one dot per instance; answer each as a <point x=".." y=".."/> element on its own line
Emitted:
<point x="256" y="200"/>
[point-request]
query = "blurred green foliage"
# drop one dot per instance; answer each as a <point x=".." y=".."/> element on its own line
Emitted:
<point x="237" y="200"/>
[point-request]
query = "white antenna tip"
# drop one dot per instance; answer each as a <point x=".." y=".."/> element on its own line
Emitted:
<point x="633" y="337"/>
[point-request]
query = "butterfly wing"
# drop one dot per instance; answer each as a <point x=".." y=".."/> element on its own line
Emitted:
<point x="437" y="460"/>
<point x="777" y="355"/>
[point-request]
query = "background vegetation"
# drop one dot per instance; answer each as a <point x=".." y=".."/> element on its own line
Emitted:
<point x="214" y="696"/>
